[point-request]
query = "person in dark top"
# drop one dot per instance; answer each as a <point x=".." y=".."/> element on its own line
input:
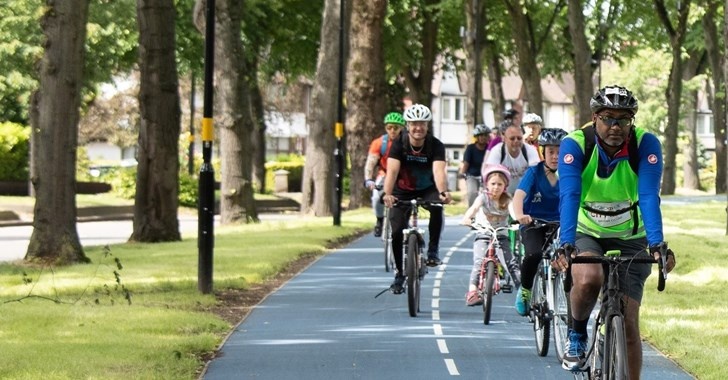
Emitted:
<point x="473" y="160"/>
<point x="415" y="169"/>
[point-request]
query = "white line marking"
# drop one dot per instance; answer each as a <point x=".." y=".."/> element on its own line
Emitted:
<point x="436" y="315"/>
<point x="438" y="329"/>
<point x="435" y="292"/>
<point x="451" y="367"/>
<point x="437" y="283"/>
<point x="436" y="303"/>
<point x="442" y="346"/>
<point x="439" y="275"/>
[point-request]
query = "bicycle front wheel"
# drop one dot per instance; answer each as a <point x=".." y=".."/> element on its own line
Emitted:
<point x="488" y="290"/>
<point x="561" y="314"/>
<point x="615" y="351"/>
<point x="540" y="312"/>
<point x="413" y="278"/>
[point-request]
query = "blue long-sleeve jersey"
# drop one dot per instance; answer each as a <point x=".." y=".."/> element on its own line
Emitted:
<point x="649" y="174"/>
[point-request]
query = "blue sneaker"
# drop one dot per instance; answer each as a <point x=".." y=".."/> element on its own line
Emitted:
<point x="523" y="300"/>
<point x="575" y="352"/>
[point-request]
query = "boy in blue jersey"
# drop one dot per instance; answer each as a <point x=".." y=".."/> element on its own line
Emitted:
<point x="610" y="199"/>
<point x="537" y="196"/>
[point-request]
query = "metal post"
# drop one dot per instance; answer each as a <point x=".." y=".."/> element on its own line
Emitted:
<point x="339" y="128"/>
<point x="206" y="207"/>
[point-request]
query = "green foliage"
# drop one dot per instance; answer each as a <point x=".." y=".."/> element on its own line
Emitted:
<point x="122" y="180"/>
<point x="14" y="148"/>
<point x="294" y="167"/>
<point x="188" y="190"/>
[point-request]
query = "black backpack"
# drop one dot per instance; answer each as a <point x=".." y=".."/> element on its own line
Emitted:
<point x="589" y="138"/>
<point x="503" y="152"/>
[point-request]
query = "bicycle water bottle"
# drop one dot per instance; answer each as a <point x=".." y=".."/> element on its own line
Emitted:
<point x="512" y="231"/>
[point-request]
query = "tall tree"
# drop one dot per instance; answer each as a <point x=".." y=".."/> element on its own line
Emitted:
<point x="725" y="75"/>
<point x="676" y="34"/>
<point x="715" y="48"/>
<point x="157" y="188"/>
<point x="583" y="69"/>
<point x="530" y="40"/>
<point x="236" y="124"/>
<point x="364" y="88"/>
<point x="318" y="173"/>
<point x="473" y="46"/>
<point x="54" y="116"/>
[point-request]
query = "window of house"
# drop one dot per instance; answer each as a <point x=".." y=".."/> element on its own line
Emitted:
<point x="453" y="108"/>
<point x="704" y="124"/>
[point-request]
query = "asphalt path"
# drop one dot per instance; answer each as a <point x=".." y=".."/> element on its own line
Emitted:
<point x="326" y="324"/>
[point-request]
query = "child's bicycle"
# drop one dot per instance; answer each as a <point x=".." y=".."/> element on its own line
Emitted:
<point x="607" y="358"/>
<point x="493" y="264"/>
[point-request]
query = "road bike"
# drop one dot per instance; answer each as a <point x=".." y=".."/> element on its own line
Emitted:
<point x="413" y="262"/>
<point x="606" y="358"/>
<point x="493" y="264"/>
<point x="549" y="305"/>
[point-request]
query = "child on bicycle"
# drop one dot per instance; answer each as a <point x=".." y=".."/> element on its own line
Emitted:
<point x="490" y="207"/>
<point x="537" y="196"/>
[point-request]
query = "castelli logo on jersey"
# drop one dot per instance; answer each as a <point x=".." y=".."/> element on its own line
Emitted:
<point x="652" y="159"/>
<point x="568" y="159"/>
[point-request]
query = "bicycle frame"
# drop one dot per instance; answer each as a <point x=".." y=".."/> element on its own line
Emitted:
<point x="493" y="262"/>
<point x="608" y="359"/>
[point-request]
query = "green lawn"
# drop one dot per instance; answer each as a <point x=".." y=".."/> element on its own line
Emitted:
<point x="74" y="322"/>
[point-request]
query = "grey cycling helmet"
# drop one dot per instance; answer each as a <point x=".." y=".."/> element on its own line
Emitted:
<point x="613" y="97"/>
<point x="532" y="118"/>
<point x="551" y="136"/>
<point x="418" y="112"/>
<point x="480" y="129"/>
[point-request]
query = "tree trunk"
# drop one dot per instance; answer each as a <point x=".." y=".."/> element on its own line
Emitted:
<point x="495" y="73"/>
<point x="583" y="85"/>
<point x="364" y="90"/>
<point x="54" y="115"/>
<point x="258" y="139"/>
<point x="318" y="173"/>
<point x="419" y="79"/>
<point x="157" y="188"/>
<point x="236" y="125"/>
<point x="473" y="45"/>
<point x="674" y="89"/>
<point x="527" y="54"/>
<point x="725" y="98"/>
<point x="691" y="178"/>
<point x="715" y="59"/>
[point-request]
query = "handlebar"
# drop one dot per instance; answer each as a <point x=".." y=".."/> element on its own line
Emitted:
<point x="417" y="202"/>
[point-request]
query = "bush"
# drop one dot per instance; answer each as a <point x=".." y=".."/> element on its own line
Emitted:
<point x="14" y="148"/>
<point x="188" y="190"/>
<point x="293" y="164"/>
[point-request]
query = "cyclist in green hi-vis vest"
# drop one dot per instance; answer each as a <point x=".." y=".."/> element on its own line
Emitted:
<point x="609" y="178"/>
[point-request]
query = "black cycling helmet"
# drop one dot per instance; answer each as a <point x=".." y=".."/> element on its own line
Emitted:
<point x="551" y="136"/>
<point x="613" y="97"/>
<point x="510" y="113"/>
<point x="504" y="125"/>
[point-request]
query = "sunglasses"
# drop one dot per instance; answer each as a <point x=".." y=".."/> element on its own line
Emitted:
<point x="610" y="121"/>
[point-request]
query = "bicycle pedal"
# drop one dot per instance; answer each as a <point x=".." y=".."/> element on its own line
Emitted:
<point x="507" y="289"/>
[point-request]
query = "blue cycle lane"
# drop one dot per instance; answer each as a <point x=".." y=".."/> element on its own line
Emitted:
<point x="326" y="324"/>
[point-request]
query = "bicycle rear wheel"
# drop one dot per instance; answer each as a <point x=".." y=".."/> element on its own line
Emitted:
<point x="488" y="290"/>
<point x="413" y="278"/>
<point x="561" y="314"/>
<point x="614" y="365"/>
<point x="540" y="312"/>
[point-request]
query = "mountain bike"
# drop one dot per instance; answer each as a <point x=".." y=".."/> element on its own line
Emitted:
<point x="607" y="358"/>
<point x="549" y="306"/>
<point x="493" y="264"/>
<point x="413" y="262"/>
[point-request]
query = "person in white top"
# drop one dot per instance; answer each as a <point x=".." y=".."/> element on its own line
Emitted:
<point x="513" y="154"/>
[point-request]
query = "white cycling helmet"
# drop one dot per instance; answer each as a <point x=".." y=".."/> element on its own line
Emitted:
<point x="532" y="118"/>
<point x="417" y="112"/>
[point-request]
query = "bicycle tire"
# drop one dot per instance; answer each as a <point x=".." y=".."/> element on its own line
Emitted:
<point x="488" y="291"/>
<point x="562" y="315"/>
<point x="540" y="312"/>
<point x="387" y="238"/>
<point x="413" y="278"/>
<point x="614" y="364"/>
